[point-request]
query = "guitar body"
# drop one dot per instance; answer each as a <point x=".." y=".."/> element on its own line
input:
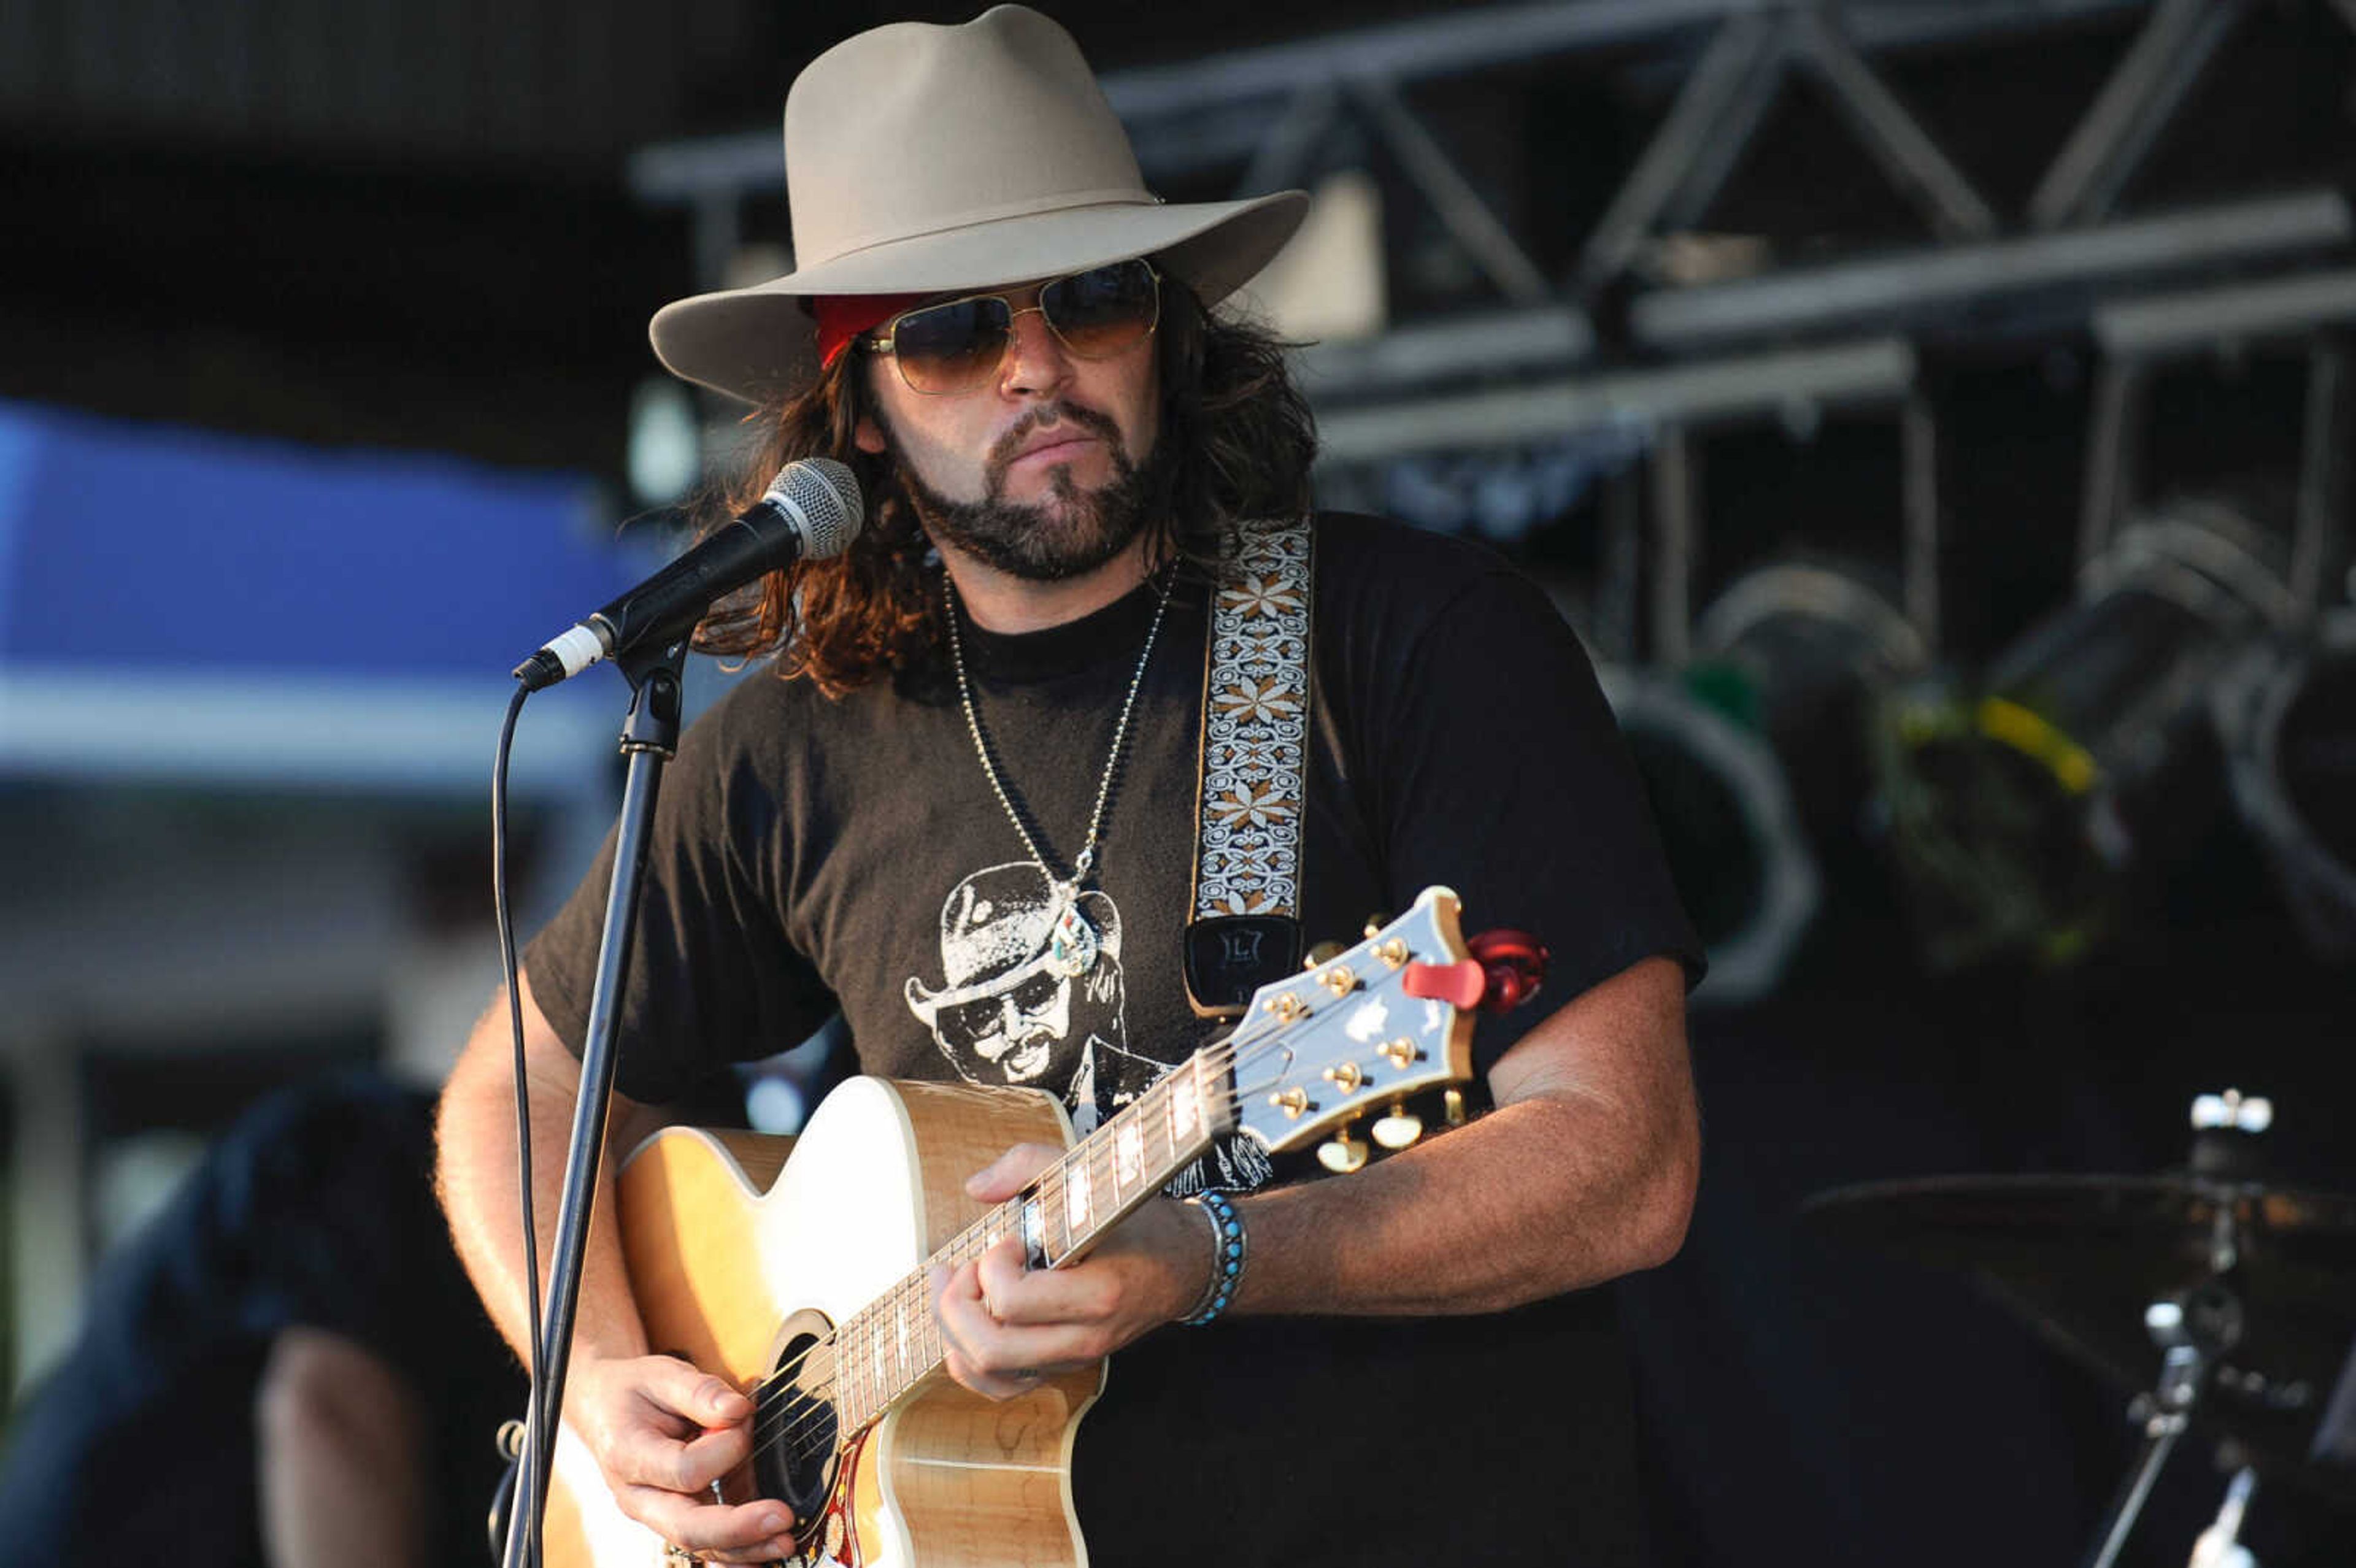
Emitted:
<point x="805" y="1278"/>
<point x="729" y="1242"/>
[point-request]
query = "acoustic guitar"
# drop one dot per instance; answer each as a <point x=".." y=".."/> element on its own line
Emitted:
<point x="803" y="1281"/>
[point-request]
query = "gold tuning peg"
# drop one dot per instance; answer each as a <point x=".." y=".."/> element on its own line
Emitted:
<point x="1375" y="923"/>
<point x="1398" y="1129"/>
<point x="1454" y="1100"/>
<point x="1344" y="1154"/>
<point x="1324" y="952"/>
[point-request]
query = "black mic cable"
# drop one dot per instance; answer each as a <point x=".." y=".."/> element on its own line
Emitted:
<point x="811" y="511"/>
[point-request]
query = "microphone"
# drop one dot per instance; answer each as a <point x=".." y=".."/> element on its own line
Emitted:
<point x="812" y="512"/>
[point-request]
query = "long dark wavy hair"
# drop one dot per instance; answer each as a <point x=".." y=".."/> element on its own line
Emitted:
<point x="1236" y="443"/>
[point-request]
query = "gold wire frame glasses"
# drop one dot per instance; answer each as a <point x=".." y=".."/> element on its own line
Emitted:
<point x="956" y="345"/>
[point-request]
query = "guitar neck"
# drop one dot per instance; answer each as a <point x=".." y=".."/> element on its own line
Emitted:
<point x="888" y="1347"/>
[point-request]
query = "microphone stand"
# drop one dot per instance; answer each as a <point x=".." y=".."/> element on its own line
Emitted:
<point x="649" y="739"/>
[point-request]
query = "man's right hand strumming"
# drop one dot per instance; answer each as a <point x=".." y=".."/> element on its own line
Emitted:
<point x="666" y="1433"/>
<point x="662" y="1431"/>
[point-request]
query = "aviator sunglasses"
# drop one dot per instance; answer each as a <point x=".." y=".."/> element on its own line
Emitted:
<point x="956" y="346"/>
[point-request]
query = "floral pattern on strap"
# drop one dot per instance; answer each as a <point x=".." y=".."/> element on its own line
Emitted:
<point x="1255" y="730"/>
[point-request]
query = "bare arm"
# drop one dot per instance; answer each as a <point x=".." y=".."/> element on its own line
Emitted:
<point x="661" y="1430"/>
<point x="1585" y="1172"/>
<point x="476" y="1133"/>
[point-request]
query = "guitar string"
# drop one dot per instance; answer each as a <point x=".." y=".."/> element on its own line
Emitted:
<point x="1233" y="1045"/>
<point x="799" y="1421"/>
<point x="793" y="1423"/>
<point x="906" y="1290"/>
<point x="803" y="1428"/>
<point x="800" y="1424"/>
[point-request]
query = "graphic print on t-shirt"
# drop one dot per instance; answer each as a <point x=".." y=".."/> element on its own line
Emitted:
<point x="1030" y="996"/>
<point x="1033" y="998"/>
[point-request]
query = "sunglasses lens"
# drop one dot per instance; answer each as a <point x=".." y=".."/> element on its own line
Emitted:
<point x="953" y="347"/>
<point x="1104" y="310"/>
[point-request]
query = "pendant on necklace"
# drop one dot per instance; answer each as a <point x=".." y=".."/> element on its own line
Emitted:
<point x="1072" y="947"/>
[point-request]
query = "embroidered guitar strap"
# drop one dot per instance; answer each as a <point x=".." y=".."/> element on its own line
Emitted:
<point x="1246" y="929"/>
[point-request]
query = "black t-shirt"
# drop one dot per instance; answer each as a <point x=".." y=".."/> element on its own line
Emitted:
<point x="811" y="854"/>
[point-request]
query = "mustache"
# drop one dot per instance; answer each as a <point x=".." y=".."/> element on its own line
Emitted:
<point x="1008" y="447"/>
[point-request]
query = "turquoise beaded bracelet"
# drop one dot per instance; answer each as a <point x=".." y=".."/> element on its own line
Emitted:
<point x="1226" y="1257"/>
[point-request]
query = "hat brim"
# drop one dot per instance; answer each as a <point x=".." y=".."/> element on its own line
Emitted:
<point x="755" y="343"/>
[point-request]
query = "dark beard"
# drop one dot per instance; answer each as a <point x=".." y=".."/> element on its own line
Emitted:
<point x="1039" y="544"/>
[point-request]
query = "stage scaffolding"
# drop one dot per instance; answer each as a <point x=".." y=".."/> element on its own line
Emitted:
<point x="1600" y="343"/>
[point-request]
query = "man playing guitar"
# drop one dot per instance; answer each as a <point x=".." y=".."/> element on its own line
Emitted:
<point x="964" y="811"/>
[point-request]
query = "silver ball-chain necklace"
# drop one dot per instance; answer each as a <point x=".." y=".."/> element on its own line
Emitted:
<point x="1072" y="942"/>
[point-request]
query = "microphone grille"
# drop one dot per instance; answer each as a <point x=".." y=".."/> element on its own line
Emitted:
<point x="822" y="496"/>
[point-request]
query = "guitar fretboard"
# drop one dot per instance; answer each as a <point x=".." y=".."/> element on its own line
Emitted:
<point x="888" y="1347"/>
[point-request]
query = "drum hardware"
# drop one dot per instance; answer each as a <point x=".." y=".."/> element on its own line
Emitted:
<point x="2246" y="1287"/>
<point x="2194" y="1330"/>
<point x="2220" y="1544"/>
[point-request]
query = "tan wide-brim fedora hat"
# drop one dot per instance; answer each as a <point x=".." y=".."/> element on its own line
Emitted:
<point x="921" y="159"/>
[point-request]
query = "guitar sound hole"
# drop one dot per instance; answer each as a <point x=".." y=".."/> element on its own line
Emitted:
<point x="794" y="1459"/>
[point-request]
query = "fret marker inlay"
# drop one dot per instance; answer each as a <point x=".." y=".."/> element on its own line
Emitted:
<point x="1186" y="1104"/>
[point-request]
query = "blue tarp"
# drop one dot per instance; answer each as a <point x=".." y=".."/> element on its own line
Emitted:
<point x="130" y="547"/>
<point x="176" y="602"/>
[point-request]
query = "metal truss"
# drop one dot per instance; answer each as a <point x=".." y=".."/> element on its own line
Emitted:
<point x="2316" y="311"/>
<point x="1726" y="97"/>
<point x="1269" y="115"/>
<point x="1696" y="395"/>
<point x="2134" y="107"/>
<point x="1932" y="286"/>
<point x="1780" y="344"/>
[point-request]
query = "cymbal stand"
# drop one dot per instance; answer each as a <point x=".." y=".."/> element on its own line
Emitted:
<point x="2220" y="1544"/>
<point x="2166" y="1412"/>
<point x="2195" y="1328"/>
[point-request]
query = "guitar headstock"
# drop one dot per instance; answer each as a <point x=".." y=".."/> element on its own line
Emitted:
<point x="1358" y="1035"/>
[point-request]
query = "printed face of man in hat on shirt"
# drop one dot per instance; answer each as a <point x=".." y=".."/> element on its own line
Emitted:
<point x="1016" y="1007"/>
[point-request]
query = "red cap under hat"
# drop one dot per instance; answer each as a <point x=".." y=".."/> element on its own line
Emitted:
<point x="843" y="318"/>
